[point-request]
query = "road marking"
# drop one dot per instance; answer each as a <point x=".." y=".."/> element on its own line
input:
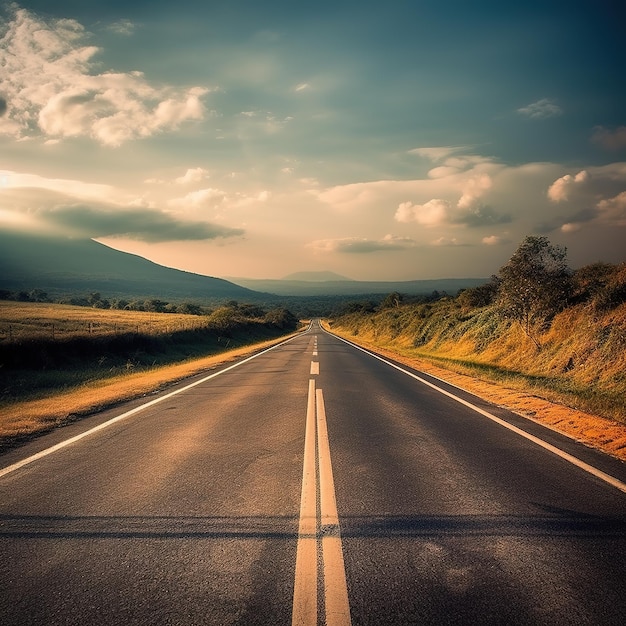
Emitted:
<point x="304" y="611"/>
<point x="114" y="420"/>
<point x="336" y="602"/>
<point x="607" y="478"/>
<point x="319" y="533"/>
<point x="315" y="368"/>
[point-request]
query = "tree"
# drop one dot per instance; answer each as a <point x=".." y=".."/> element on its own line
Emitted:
<point x="534" y="284"/>
<point x="392" y="301"/>
<point x="479" y="296"/>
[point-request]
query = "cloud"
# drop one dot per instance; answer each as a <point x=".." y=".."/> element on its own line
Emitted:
<point x="613" y="210"/>
<point x="360" y="245"/>
<point x="122" y="27"/>
<point x="570" y="228"/>
<point x="302" y="87"/>
<point x="446" y="242"/>
<point x="610" y="139"/>
<point x="561" y="188"/>
<point x="437" y="153"/>
<point x="594" y="195"/>
<point x="482" y="216"/>
<point x="88" y="210"/>
<point x="473" y="189"/>
<point x="135" y="223"/>
<point x="54" y="212"/>
<point x="540" y="110"/>
<point x="201" y="198"/>
<point x="494" y="240"/>
<point x="50" y="81"/>
<point x="432" y="213"/>
<point x="10" y="180"/>
<point x="192" y="175"/>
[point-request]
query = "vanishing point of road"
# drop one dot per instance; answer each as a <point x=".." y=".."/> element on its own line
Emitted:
<point x="312" y="483"/>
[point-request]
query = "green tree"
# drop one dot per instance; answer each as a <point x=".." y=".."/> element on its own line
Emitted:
<point x="479" y="296"/>
<point x="534" y="284"/>
<point x="392" y="301"/>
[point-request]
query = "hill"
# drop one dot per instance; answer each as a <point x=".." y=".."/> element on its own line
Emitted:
<point x="287" y="287"/>
<point x="62" y="266"/>
<point x="315" y="277"/>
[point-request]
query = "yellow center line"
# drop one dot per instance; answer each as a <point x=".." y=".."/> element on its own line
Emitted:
<point x="319" y="532"/>
<point x="336" y="602"/>
<point x="304" y="611"/>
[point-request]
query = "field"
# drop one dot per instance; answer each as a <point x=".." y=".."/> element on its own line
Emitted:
<point x="49" y="348"/>
<point x="27" y="321"/>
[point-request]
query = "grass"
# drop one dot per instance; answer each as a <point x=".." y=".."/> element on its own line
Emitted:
<point x="496" y="385"/>
<point x="21" y="321"/>
<point x="580" y="362"/>
<point x="91" y="345"/>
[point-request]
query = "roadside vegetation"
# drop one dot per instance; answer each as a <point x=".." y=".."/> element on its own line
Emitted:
<point x="536" y="326"/>
<point x="49" y="348"/>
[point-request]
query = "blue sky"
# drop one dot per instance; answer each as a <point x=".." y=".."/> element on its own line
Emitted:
<point x="395" y="140"/>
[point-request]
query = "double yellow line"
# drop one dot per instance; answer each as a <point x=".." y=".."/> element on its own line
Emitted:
<point x="318" y="532"/>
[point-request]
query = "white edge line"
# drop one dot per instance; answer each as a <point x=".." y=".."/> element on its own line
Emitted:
<point x="91" y="431"/>
<point x="614" y="482"/>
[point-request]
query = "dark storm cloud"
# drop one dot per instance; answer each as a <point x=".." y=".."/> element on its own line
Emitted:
<point x="136" y="223"/>
<point x="3" y="106"/>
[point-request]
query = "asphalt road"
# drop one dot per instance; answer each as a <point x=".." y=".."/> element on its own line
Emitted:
<point x="311" y="484"/>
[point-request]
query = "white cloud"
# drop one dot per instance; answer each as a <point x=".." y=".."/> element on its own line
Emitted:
<point x="77" y="189"/>
<point x="610" y="139"/>
<point x="50" y="86"/>
<point x="542" y="109"/>
<point x="122" y="27"/>
<point x="446" y="242"/>
<point x="362" y="245"/>
<point x="302" y="87"/>
<point x="561" y="188"/>
<point x="201" y="198"/>
<point x="613" y="210"/>
<point x="570" y="227"/>
<point x="474" y="188"/>
<point x="494" y="240"/>
<point x="192" y="175"/>
<point x="432" y="213"/>
<point x="437" y="153"/>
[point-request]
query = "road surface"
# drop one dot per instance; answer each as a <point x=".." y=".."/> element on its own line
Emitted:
<point x="311" y="484"/>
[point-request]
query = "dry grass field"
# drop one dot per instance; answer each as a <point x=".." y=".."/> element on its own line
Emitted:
<point x="33" y="320"/>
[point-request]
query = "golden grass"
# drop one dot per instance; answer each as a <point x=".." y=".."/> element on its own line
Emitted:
<point x="593" y="430"/>
<point x="26" y="320"/>
<point x="23" y="419"/>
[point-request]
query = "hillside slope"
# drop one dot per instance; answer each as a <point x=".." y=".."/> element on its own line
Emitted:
<point x="62" y="266"/>
<point x="580" y="361"/>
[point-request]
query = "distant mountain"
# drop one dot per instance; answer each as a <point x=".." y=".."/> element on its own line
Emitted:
<point x="63" y="266"/>
<point x="303" y="288"/>
<point x="315" y="277"/>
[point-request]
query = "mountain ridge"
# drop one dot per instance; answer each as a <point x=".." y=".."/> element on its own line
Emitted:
<point x="62" y="266"/>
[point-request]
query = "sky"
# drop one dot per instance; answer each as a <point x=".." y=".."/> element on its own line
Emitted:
<point x="396" y="140"/>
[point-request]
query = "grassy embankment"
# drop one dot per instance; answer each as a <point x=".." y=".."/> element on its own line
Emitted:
<point x="58" y="362"/>
<point x="579" y="364"/>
